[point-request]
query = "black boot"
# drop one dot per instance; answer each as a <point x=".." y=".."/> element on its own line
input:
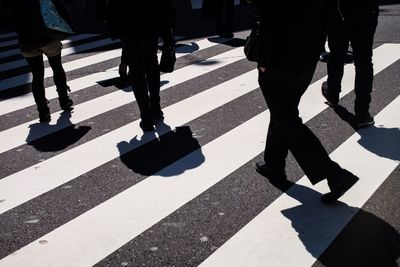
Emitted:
<point x="63" y="98"/>
<point x="158" y="115"/>
<point x="44" y="112"/>
<point x="147" y="121"/>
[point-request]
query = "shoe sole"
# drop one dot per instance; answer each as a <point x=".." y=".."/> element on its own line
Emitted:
<point x="365" y="124"/>
<point x="259" y="171"/>
<point x="270" y="176"/>
<point x="325" y="94"/>
<point x="266" y="175"/>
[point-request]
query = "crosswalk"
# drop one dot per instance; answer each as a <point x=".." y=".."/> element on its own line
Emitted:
<point x="90" y="189"/>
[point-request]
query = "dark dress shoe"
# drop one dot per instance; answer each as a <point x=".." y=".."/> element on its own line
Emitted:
<point x="44" y="113"/>
<point x="339" y="185"/>
<point x="269" y="173"/>
<point x="324" y="56"/>
<point x="331" y="98"/>
<point x="276" y="177"/>
<point x="158" y="115"/>
<point x="146" y="126"/>
<point x="44" y="117"/>
<point x="66" y="104"/>
<point x="364" y="120"/>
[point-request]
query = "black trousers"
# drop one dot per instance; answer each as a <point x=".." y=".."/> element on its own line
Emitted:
<point x="37" y="68"/>
<point x="225" y="9"/>
<point x="124" y="54"/>
<point x="145" y="76"/>
<point x="282" y="89"/>
<point x="359" y="32"/>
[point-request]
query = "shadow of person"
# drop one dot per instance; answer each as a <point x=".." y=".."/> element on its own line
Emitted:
<point x="366" y="241"/>
<point x="150" y="155"/>
<point x="118" y="82"/>
<point x="61" y="135"/>
<point x="123" y="84"/>
<point x="163" y="82"/>
<point x="187" y="48"/>
<point x="384" y="142"/>
<point x="233" y="42"/>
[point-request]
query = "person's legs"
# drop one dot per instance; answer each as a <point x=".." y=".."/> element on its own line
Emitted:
<point x="276" y="149"/>
<point x="37" y="68"/>
<point x="224" y="20"/>
<point x="60" y="81"/>
<point x="228" y="17"/>
<point x="167" y="36"/>
<point x="283" y="96"/>
<point x="137" y="61"/>
<point x="153" y="74"/>
<point x="362" y="38"/>
<point x="275" y="154"/>
<point x="338" y="42"/>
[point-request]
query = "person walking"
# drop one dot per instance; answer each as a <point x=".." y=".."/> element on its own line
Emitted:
<point x="140" y="35"/>
<point x="33" y="45"/>
<point x="351" y="22"/>
<point x="284" y="75"/>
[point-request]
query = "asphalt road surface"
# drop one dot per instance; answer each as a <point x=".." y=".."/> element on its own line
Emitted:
<point x="90" y="188"/>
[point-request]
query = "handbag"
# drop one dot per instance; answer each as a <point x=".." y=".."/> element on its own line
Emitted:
<point x="55" y="26"/>
<point x="168" y="59"/>
<point x="252" y="44"/>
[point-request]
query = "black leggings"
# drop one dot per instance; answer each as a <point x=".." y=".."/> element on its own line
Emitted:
<point x="37" y="68"/>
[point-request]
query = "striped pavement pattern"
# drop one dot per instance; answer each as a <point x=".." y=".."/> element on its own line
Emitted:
<point x="90" y="189"/>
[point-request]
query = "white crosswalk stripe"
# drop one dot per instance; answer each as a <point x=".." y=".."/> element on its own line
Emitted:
<point x="7" y="35"/>
<point x="8" y="43"/>
<point x="65" y="52"/>
<point x="295" y="221"/>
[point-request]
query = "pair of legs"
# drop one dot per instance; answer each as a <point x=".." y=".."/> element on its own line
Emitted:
<point x="288" y="132"/>
<point x="34" y="58"/>
<point x="224" y="19"/>
<point x="167" y="37"/>
<point x="145" y="77"/>
<point x="359" y="32"/>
